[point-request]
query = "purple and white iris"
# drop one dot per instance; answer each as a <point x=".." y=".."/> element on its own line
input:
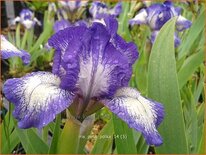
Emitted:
<point x="8" y="50"/>
<point x="156" y="15"/>
<point x="92" y="66"/>
<point x="99" y="9"/>
<point x="27" y="19"/>
<point x="72" y="5"/>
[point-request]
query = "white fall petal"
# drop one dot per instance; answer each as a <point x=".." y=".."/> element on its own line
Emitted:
<point x="138" y="112"/>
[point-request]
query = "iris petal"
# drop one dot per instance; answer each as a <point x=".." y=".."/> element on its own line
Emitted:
<point x="8" y="50"/>
<point x="37" y="98"/>
<point x="66" y="60"/>
<point x="98" y="10"/>
<point x="140" y="18"/>
<point x="60" y="25"/>
<point x="27" y="19"/>
<point x="91" y="59"/>
<point x="182" y="23"/>
<point x="142" y="114"/>
<point x="128" y="49"/>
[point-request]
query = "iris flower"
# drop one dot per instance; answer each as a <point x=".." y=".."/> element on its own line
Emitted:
<point x="92" y="67"/>
<point x="72" y="5"/>
<point x="8" y="50"/>
<point x="71" y="10"/>
<point x="156" y="15"/>
<point x="27" y="19"/>
<point x="98" y="9"/>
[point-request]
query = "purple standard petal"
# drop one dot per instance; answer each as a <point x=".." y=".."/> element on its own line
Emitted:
<point x="103" y="68"/>
<point x="93" y="58"/>
<point x="37" y="98"/>
<point x="138" y="112"/>
<point x="66" y="65"/>
<point x="128" y="49"/>
<point x="60" y="25"/>
<point x="182" y="23"/>
<point x="8" y="50"/>
<point x="111" y="24"/>
<point x="140" y="18"/>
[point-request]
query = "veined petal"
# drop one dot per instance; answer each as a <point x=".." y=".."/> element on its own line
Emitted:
<point x="66" y="59"/>
<point x="103" y="68"/>
<point x="138" y="112"/>
<point x="140" y="18"/>
<point x="111" y="23"/>
<point x="8" y="50"/>
<point x="37" y="98"/>
<point x="60" y="25"/>
<point x="90" y="59"/>
<point x="182" y="23"/>
<point x="128" y="49"/>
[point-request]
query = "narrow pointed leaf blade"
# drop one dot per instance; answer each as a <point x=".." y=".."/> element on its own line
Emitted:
<point x="163" y="87"/>
<point x="123" y="136"/>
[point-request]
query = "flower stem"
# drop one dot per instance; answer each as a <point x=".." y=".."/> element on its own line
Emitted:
<point x="69" y="139"/>
<point x="25" y="37"/>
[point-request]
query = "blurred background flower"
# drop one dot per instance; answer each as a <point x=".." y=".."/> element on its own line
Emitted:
<point x="99" y="9"/>
<point x="27" y="19"/>
<point x="156" y="15"/>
